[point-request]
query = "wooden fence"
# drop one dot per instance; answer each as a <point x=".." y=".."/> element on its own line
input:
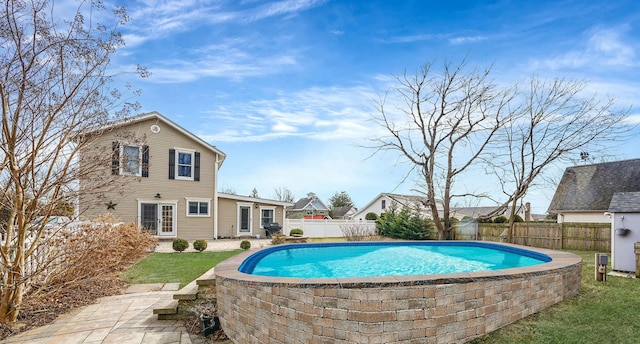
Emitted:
<point x="570" y="235"/>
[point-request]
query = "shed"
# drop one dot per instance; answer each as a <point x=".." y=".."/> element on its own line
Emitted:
<point x="625" y="229"/>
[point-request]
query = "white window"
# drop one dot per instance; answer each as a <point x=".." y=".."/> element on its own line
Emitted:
<point x="198" y="207"/>
<point x="131" y="158"/>
<point x="184" y="164"/>
<point x="267" y="216"/>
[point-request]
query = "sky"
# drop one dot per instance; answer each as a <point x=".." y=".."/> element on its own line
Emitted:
<point x="287" y="88"/>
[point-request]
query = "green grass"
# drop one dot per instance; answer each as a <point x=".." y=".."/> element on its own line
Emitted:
<point x="174" y="267"/>
<point x="602" y="312"/>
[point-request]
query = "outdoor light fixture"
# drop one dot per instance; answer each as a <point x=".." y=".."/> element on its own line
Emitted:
<point x="158" y="195"/>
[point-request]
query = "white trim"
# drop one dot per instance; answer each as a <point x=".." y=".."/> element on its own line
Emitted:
<point x="261" y="208"/>
<point x="216" y="165"/>
<point x="122" y="162"/>
<point x="173" y="203"/>
<point x="191" y="152"/>
<point x="199" y="200"/>
<point x="240" y="205"/>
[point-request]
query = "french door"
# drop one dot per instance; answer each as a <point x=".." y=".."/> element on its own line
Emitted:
<point x="158" y="218"/>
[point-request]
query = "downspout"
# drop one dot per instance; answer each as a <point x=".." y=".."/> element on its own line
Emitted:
<point x="215" y="197"/>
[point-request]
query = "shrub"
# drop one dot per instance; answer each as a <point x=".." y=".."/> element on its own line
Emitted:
<point x="111" y="248"/>
<point x="518" y="218"/>
<point x="277" y="239"/>
<point x="358" y="232"/>
<point x="500" y="219"/>
<point x="371" y="216"/>
<point x="296" y="231"/>
<point x="245" y="244"/>
<point x="200" y="245"/>
<point x="404" y="225"/>
<point x="180" y="245"/>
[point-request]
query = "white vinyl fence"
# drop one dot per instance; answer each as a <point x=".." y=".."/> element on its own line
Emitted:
<point x="329" y="228"/>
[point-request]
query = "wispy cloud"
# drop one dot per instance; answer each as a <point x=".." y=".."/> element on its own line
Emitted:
<point x="604" y="47"/>
<point x="467" y="39"/>
<point x="317" y="113"/>
<point x="411" y="38"/>
<point x="155" y="19"/>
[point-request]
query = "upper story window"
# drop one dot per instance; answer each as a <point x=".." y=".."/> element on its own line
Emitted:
<point x="132" y="160"/>
<point x="384" y="204"/>
<point x="184" y="164"/>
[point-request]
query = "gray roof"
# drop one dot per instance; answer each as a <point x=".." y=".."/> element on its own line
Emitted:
<point x="591" y="187"/>
<point x="312" y="202"/>
<point x="476" y="212"/>
<point x="341" y="211"/>
<point x="625" y="202"/>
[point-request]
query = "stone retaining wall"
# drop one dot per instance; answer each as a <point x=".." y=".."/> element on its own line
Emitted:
<point x="406" y="309"/>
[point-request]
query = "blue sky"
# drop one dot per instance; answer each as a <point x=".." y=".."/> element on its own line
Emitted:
<point x="286" y="88"/>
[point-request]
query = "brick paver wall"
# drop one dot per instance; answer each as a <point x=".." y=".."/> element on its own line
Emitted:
<point x="411" y="309"/>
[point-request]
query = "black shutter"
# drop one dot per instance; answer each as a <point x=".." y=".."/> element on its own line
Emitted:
<point x="115" y="158"/>
<point x="172" y="164"/>
<point x="145" y="161"/>
<point x="196" y="166"/>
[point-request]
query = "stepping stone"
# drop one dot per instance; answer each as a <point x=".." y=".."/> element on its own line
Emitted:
<point x="171" y="287"/>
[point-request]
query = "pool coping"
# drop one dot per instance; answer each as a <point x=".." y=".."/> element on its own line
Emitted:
<point x="559" y="260"/>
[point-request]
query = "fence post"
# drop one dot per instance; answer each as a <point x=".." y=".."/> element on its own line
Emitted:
<point x="561" y="235"/>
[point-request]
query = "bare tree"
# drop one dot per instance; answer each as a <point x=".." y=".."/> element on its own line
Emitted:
<point x="283" y="194"/>
<point x="550" y="122"/>
<point x="53" y="85"/>
<point x="254" y="193"/>
<point x="443" y="125"/>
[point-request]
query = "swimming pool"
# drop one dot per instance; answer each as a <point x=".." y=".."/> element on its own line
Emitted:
<point x="426" y="308"/>
<point x="361" y="259"/>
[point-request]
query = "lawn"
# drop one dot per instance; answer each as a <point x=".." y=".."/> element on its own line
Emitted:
<point x="174" y="267"/>
<point x="603" y="312"/>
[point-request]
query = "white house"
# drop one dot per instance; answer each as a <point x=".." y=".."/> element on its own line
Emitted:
<point x="384" y="202"/>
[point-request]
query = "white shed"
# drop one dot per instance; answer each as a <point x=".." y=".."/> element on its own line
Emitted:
<point x="625" y="229"/>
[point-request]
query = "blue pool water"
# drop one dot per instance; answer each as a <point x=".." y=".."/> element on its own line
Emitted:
<point x="339" y="260"/>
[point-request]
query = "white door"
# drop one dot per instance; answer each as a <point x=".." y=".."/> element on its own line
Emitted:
<point x="167" y="220"/>
<point x="244" y="220"/>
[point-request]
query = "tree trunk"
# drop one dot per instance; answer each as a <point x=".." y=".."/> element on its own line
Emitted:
<point x="512" y="222"/>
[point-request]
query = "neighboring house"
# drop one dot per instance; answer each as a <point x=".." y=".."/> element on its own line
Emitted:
<point x="346" y="212"/>
<point x="585" y="192"/>
<point x="247" y="216"/>
<point x="477" y="212"/>
<point x="384" y="202"/>
<point x="170" y="177"/>
<point x="310" y="206"/>
<point x="625" y="230"/>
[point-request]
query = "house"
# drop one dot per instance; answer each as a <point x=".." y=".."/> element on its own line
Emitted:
<point x="585" y="192"/>
<point x="384" y="202"/>
<point x="345" y="212"/>
<point x="477" y="212"/>
<point x="310" y="206"/>
<point x="247" y="216"/>
<point x="170" y="179"/>
<point x="624" y="210"/>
